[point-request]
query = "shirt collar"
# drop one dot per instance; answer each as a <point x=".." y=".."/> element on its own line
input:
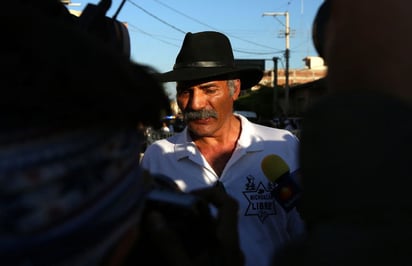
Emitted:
<point x="249" y="140"/>
<point x="184" y="147"/>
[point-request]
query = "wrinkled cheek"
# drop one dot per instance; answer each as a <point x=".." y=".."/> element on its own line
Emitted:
<point x="182" y="104"/>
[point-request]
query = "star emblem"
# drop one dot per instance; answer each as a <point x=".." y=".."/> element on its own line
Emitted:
<point x="261" y="202"/>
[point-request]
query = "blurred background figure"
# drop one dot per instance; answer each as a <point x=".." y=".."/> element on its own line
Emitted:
<point x="70" y="186"/>
<point x="71" y="190"/>
<point x="288" y="125"/>
<point x="356" y="174"/>
<point x="165" y="128"/>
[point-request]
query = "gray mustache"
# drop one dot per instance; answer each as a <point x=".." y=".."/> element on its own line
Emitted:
<point x="202" y="114"/>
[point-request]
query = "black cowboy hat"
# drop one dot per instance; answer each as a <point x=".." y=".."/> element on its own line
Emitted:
<point x="208" y="55"/>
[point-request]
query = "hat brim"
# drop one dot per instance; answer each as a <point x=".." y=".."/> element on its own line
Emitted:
<point x="249" y="77"/>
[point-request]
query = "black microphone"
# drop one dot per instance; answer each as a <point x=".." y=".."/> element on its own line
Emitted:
<point x="285" y="189"/>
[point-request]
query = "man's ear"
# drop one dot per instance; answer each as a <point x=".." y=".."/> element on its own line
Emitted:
<point x="236" y="91"/>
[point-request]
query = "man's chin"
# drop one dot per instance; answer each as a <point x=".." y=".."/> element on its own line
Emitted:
<point x="199" y="129"/>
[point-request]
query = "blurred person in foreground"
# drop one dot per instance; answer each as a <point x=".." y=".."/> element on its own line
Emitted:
<point x="357" y="174"/>
<point x="251" y="162"/>
<point x="71" y="190"/>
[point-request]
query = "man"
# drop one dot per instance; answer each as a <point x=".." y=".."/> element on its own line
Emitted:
<point x="219" y="148"/>
<point x="71" y="190"/>
<point x="356" y="174"/>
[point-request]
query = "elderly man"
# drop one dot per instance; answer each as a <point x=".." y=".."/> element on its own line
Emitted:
<point x="253" y="163"/>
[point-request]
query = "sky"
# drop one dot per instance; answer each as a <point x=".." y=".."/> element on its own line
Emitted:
<point x="157" y="28"/>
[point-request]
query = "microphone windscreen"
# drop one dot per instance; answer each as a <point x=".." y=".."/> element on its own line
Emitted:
<point x="274" y="167"/>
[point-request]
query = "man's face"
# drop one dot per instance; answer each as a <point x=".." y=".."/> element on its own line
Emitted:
<point x="206" y="106"/>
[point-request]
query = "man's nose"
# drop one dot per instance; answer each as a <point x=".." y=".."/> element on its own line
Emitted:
<point x="197" y="100"/>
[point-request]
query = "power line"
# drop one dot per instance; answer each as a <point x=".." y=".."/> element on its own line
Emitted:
<point x="256" y="53"/>
<point x="156" y="17"/>
<point x="184" y="32"/>
<point x="133" y="27"/>
<point x="209" y="26"/>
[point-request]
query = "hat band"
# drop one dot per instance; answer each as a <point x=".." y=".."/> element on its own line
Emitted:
<point x="202" y="64"/>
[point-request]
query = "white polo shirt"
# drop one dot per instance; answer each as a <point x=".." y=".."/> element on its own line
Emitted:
<point x="264" y="225"/>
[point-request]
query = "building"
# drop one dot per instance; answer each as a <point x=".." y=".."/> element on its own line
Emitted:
<point x="306" y="85"/>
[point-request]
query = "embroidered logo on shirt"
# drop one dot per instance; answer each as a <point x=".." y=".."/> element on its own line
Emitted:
<point x="261" y="201"/>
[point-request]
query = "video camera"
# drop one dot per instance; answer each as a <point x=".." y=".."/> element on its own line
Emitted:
<point x="185" y="214"/>
<point x="110" y="31"/>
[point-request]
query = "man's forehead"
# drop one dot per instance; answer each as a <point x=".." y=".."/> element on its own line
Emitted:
<point x="193" y="83"/>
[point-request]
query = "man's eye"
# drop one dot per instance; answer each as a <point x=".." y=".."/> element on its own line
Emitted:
<point x="183" y="91"/>
<point x="210" y="90"/>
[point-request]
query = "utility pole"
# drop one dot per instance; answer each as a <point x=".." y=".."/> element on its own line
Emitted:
<point x="275" y="85"/>
<point x="287" y="54"/>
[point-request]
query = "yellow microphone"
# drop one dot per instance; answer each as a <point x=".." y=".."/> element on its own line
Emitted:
<point x="274" y="167"/>
<point x="285" y="190"/>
